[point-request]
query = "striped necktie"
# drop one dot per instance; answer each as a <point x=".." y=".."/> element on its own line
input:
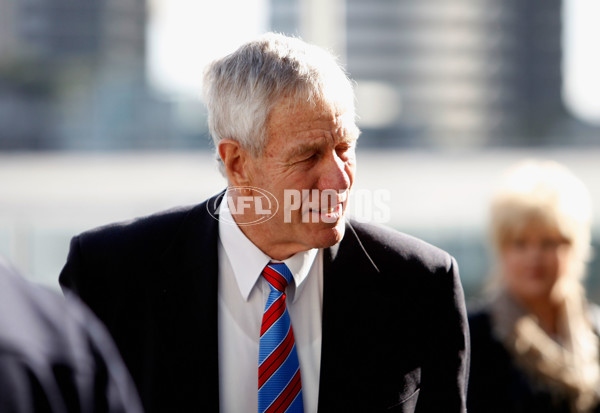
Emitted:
<point x="279" y="384"/>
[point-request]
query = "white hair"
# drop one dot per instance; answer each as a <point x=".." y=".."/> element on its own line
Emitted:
<point x="241" y="89"/>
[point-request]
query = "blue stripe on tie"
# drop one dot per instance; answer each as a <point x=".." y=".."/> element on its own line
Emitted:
<point x="272" y="298"/>
<point x="271" y="339"/>
<point x="282" y="269"/>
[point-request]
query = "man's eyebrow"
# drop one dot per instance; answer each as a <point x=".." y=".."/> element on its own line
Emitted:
<point x="351" y="134"/>
<point x="350" y="138"/>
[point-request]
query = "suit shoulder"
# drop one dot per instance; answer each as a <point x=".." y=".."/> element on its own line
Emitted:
<point x="136" y="232"/>
<point x="385" y="244"/>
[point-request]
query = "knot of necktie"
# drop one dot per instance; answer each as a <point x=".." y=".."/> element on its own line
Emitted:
<point x="278" y="275"/>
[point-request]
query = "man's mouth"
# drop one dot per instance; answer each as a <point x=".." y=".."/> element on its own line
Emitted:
<point x="333" y="212"/>
<point x="337" y="209"/>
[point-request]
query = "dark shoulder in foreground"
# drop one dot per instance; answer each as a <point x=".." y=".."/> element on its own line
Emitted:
<point x="35" y="322"/>
<point x="386" y="245"/>
<point x="55" y="356"/>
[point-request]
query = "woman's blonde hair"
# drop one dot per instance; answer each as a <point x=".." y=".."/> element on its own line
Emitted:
<point x="548" y="194"/>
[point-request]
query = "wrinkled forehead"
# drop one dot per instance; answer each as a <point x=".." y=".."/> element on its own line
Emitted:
<point x="302" y="112"/>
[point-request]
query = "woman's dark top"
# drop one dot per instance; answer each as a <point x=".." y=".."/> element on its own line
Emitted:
<point x="496" y="383"/>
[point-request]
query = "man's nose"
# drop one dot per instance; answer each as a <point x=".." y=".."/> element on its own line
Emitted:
<point x="335" y="174"/>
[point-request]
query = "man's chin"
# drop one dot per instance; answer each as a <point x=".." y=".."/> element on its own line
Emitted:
<point x="327" y="237"/>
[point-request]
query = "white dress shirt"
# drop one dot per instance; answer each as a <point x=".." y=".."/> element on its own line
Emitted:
<point x="242" y="297"/>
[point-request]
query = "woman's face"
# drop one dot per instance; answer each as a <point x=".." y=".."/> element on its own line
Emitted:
<point x="533" y="262"/>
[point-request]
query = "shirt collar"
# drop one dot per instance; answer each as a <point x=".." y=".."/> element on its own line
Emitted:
<point x="248" y="261"/>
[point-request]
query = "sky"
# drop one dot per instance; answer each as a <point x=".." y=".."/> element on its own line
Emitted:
<point x="184" y="35"/>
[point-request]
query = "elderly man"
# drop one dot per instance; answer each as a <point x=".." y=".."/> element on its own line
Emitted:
<point x="265" y="297"/>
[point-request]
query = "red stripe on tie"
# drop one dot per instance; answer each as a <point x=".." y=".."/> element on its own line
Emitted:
<point x="287" y="396"/>
<point x="275" y="279"/>
<point x="273" y="314"/>
<point x="276" y="359"/>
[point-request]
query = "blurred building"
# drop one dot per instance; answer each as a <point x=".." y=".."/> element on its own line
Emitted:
<point x="466" y="73"/>
<point x="73" y="76"/>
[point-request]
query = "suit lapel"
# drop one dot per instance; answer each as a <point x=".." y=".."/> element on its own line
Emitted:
<point x="189" y="294"/>
<point x="345" y="268"/>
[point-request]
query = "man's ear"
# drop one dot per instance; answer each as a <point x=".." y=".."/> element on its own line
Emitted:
<point x="235" y="159"/>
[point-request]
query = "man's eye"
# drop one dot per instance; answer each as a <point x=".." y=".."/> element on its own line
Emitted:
<point x="309" y="157"/>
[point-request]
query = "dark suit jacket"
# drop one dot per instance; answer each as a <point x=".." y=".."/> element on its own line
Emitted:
<point x="395" y="334"/>
<point x="55" y="356"/>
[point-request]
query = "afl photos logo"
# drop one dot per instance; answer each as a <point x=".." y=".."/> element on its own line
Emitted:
<point x="244" y="201"/>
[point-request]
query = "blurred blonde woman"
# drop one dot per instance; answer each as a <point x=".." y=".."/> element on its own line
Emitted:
<point x="535" y="336"/>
